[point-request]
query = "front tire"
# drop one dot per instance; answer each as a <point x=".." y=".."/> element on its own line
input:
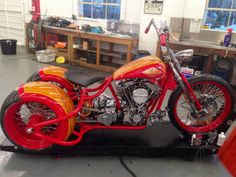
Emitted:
<point x="214" y="94"/>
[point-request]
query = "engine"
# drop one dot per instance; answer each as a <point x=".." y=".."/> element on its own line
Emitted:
<point x="135" y="95"/>
<point x="106" y="109"/>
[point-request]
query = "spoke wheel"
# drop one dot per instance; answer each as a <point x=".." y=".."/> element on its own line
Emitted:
<point x="215" y="98"/>
<point x="20" y="114"/>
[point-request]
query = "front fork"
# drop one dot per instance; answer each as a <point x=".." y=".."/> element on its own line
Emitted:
<point x="186" y="87"/>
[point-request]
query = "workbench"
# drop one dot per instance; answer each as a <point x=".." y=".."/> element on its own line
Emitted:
<point x="202" y="49"/>
<point x="72" y="35"/>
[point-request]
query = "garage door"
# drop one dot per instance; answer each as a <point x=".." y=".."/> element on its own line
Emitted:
<point x="12" y="20"/>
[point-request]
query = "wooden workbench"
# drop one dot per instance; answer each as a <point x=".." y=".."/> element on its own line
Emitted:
<point x="204" y="49"/>
<point x="72" y="35"/>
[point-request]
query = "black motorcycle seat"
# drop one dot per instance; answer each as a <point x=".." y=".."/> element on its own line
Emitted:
<point x="83" y="78"/>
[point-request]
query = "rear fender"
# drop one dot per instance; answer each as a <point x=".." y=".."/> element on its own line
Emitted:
<point x="49" y="94"/>
<point x="57" y="74"/>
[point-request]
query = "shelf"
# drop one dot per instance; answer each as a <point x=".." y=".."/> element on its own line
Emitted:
<point x="106" y="52"/>
<point x="62" y="53"/>
<point x="112" y="53"/>
<point x="93" y="51"/>
<point x="62" y="50"/>
<point x="74" y="53"/>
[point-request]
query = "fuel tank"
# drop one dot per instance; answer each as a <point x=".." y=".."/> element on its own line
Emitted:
<point x="149" y="67"/>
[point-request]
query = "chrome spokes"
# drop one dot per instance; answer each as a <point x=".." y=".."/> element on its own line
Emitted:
<point x="211" y="98"/>
<point x="38" y="112"/>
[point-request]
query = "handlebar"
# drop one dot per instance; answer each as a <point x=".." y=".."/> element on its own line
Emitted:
<point x="149" y="26"/>
<point x="163" y="29"/>
<point x="147" y="29"/>
<point x="162" y="32"/>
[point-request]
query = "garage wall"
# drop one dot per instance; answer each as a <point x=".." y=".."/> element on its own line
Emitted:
<point x="133" y="10"/>
<point x="12" y="19"/>
<point x="181" y="8"/>
<point x="3" y="21"/>
<point x="65" y="8"/>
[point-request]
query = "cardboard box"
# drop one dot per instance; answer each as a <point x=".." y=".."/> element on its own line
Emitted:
<point x="85" y="45"/>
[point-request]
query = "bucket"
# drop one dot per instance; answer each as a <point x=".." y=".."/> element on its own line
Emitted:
<point x="8" y="46"/>
<point x="223" y="68"/>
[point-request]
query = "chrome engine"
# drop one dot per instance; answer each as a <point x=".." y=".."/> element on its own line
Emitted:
<point x="106" y="109"/>
<point x="135" y="95"/>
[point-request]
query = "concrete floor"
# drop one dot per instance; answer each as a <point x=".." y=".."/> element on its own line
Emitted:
<point x="14" y="70"/>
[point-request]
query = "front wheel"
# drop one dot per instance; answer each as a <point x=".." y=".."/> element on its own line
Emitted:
<point x="216" y="98"/>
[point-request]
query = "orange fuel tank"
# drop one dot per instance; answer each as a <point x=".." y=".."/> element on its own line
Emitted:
<point x="149" y="67"/>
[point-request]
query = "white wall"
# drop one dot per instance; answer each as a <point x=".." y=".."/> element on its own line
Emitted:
<point x="66" y="8"/>
<point x="13" y="14"/>
<point x="63" y="8"/>
<point x="27" y="8"/>
<point x="133" y="10"/>
<point x="181" y="8"/>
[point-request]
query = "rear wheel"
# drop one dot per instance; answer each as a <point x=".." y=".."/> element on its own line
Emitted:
<point x="216" y="98"/>
<point x="17" y="114"/>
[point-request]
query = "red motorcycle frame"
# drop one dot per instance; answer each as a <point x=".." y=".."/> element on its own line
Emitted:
<point x="85" y="127"/>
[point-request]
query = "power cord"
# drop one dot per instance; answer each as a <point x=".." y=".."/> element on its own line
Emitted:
<point x="126" y="167"/>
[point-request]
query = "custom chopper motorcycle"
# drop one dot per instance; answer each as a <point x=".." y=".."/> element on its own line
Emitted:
<point x="58" y="107"/>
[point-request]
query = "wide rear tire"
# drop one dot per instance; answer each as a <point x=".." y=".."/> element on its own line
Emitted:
<point x="220" y="108"/>
<point x="20" y="110"/>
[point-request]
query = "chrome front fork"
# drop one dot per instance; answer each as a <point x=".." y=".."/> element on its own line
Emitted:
<point x="177" y="70"/>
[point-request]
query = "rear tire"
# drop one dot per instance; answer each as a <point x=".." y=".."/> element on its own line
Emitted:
<point x="17" y="113"/>
<point x="205" y="87"/>
<point x="34" y="77"/>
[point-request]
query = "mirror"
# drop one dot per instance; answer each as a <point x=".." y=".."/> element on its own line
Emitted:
<point x="184" y="55"/>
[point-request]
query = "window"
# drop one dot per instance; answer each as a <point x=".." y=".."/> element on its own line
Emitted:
<point x="104" y="9"/>
<point x="220" y="14"/>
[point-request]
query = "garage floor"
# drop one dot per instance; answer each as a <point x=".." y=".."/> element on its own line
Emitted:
<point x="14" y="70"/>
